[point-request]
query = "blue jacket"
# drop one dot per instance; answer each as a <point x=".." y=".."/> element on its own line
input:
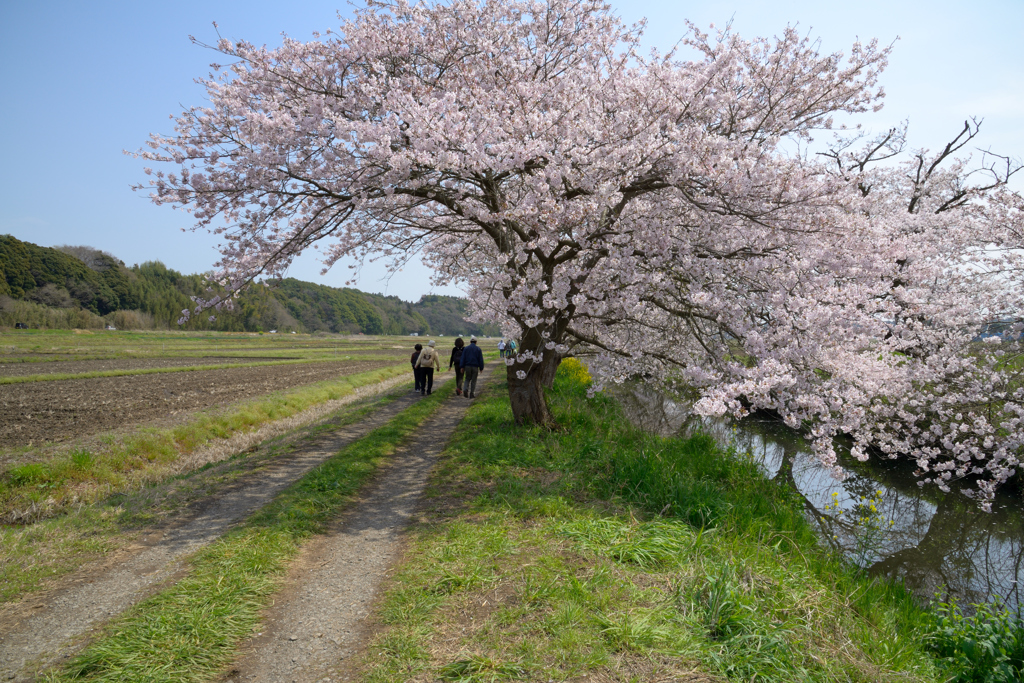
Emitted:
<point x="472" y="356"/>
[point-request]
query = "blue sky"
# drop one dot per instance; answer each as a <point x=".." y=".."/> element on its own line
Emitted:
<point x="85" y="80"/>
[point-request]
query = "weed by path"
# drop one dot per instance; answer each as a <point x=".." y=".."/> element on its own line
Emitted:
<point x="189" y="631"/>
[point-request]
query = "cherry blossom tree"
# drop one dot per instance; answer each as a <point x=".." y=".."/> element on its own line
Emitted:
<point x="661" y="209"/>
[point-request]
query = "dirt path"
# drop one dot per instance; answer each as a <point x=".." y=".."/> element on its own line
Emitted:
<point x="317" y="621"/>
<point x="44" y="628"/>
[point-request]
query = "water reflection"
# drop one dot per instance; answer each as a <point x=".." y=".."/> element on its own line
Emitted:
<point x="930" y="540"/>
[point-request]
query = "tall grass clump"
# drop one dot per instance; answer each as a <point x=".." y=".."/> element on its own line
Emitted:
<point x="131" y="320"/>
<point x="38" y="316"/>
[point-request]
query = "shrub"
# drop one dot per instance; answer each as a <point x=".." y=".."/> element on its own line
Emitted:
<point x="987" y="647"/>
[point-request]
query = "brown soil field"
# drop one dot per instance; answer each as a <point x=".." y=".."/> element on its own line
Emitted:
<point x="36" y="413"/>
<point x="70" y="367"/>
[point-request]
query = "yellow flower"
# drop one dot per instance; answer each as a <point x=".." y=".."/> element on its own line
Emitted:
<point x="574" y="370"/>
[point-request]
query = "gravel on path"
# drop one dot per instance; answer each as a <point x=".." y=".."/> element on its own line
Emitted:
<point x="44" y="629"/>
<point x="318" y="620"/>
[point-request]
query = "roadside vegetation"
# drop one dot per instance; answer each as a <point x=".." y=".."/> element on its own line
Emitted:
<point x="191" y="630"/>
<point x="598" y="551"/>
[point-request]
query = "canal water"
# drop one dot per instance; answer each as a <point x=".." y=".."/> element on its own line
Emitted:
<point x="878" y="516"/>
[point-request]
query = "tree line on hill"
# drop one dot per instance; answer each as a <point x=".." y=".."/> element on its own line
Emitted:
<point x="82" y="287"/>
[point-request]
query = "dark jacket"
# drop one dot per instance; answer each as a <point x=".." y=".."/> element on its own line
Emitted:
<point x="415" y="357"/>
<point x="472" y="357"/>
<point x="456" y="357"/>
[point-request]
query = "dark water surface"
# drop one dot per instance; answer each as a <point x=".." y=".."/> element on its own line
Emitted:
<point x="933" y="542"/>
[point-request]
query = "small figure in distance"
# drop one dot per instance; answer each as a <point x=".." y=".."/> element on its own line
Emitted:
<point x="473" y="362"/>
<point x="417" y="375"/>
<point x="501" y="348"/>
<point x="426" y="363"/>
<point x="455" y="361"/>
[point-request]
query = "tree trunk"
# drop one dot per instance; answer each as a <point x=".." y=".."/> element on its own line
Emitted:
<point x="529" y="404"/>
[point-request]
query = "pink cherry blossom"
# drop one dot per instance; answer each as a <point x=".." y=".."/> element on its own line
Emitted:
<point x="659" y="210"/>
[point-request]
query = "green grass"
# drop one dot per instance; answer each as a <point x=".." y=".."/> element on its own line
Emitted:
<point x="596" y="550"/>
<point x="145" y="455"/>
<point x="190" y="631"/>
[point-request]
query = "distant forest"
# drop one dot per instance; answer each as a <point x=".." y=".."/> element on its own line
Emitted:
<point x="82" y="287"/>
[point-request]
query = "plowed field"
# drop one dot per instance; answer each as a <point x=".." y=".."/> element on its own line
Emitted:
<point x="35" y="413"/>
<point x="71" y="367"/>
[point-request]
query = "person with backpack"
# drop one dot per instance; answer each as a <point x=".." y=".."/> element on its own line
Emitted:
<point x="416" y="374"/>
<point x="455" y="361"/>
<point x="426" y="363"/>
<point x="472" y="362"/>
<point x="511" y="348"/>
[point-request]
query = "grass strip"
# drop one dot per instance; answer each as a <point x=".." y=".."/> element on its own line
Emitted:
<point x="598" y="552"/>
<point x="54" y="377"/>
<point x="190" y="631"/>
<point x="147" y="455"/>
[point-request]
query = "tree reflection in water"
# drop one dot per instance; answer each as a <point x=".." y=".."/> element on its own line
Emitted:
<point x="937" y="542"/>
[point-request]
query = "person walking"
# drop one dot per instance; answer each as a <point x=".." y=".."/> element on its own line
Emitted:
<point x="473" y="362"/>
<point x="511" y="348"/>
<point x="501" y="348"/>
<point x="416" y="374"/>
<point x="426" y="363"/>
<point x="455" y="361"/>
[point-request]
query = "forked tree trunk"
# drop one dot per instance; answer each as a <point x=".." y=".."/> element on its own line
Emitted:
<point x="527" y="394"/>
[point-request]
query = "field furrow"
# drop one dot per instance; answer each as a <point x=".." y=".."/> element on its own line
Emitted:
<point x="36" y="413"/>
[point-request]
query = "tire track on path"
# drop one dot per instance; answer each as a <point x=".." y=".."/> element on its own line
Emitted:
<point x="318" y="620"/>
<point x="44" y="629"/>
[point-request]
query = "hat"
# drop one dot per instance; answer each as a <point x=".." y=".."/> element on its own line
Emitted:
<point x="472" y="339"/>
<point x="431" y="343"/>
